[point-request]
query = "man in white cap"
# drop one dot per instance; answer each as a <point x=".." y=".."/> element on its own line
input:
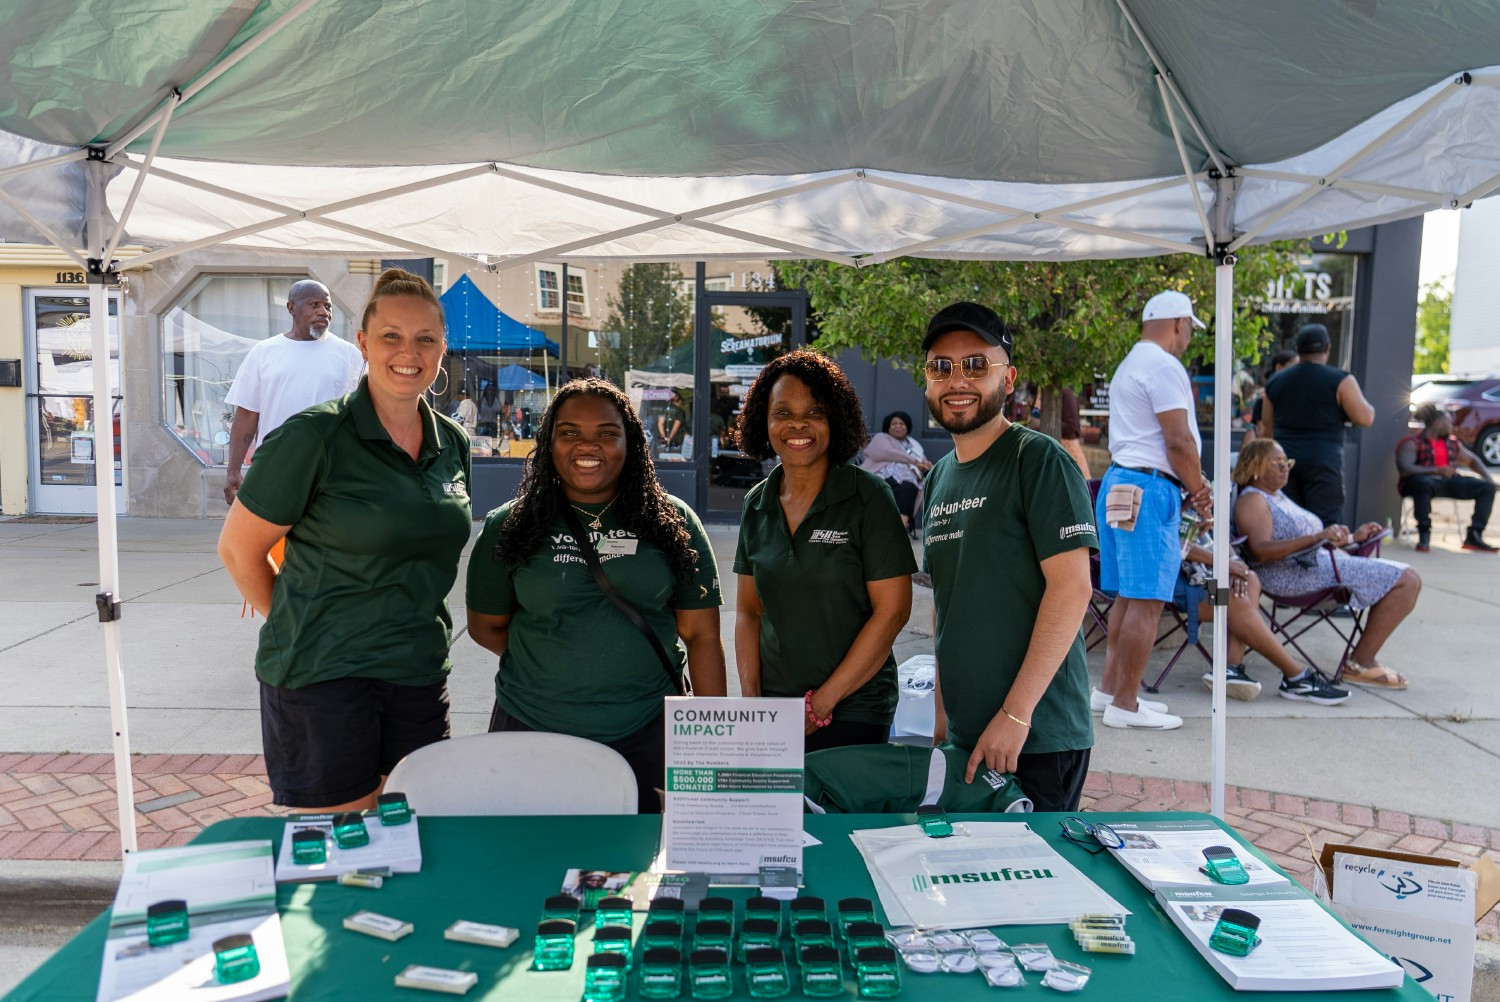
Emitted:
<point x="1156" y="468"/>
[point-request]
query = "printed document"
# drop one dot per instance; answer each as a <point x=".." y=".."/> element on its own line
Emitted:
<point x="1169" y="854"/>
<point x="397" y="848"/>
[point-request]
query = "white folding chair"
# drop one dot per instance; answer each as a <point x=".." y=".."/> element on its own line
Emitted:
<point x="515" y="772"/>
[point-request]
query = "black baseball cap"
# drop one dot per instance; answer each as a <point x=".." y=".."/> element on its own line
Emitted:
<point x="1312" y="339"/>
<point x="969" y="317"/>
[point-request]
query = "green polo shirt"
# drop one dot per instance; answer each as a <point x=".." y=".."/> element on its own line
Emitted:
<point x="990" y="523"/>
<point x="812" y="586"/>
<point x="573" y="663"/>
<point x="373" y="548"/>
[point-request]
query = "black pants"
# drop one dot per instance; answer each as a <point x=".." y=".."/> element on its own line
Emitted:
<point x="841" y="733"/>
<point x="1054" y="780"/>
<point x="906" y="496"/>
<point x="645" y="751"/>
<point x="1422" y="489"/>
<point x="1319" y="489"/>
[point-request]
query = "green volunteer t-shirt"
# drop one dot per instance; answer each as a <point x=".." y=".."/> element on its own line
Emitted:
<point x="573" y="663"/>
<point x="812" y="586"/>
<point x="373" y="548"/>
<point x="990" y="523"/>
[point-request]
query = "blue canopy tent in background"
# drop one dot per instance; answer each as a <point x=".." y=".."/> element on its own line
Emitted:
<point x="513" y="377"/>
<point x="476" y="324"/>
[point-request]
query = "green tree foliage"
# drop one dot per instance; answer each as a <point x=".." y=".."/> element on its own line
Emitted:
<point x="649" y="316"/>
<point x="1434" y="316"/>
<point x="1071" y="319"/>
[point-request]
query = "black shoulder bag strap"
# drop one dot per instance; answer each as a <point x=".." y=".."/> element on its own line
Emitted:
<point x="590" y="557"/>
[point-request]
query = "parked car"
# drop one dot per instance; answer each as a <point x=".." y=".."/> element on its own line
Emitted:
<point x="1474" y="402"/>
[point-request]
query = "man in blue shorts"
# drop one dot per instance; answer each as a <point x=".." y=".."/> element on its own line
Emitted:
<point x="1155" y="447"/>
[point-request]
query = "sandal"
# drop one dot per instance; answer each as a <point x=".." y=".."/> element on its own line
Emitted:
<point x="1376" y="676"/>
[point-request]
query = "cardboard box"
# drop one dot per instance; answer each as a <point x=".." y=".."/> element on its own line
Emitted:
<point x="1415" y="909"/>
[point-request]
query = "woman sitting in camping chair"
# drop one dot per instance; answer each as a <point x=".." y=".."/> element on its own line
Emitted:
<point x="1294" y="554"/>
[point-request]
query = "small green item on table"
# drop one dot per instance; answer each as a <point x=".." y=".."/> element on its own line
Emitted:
<point x="713" y="934"/>
<point x="812" y="932"/>
<point x="708" y="974"/>
<point x="553" y="950"/>
<point x="807" y="906"/>
<point x="876" y="972"/>
<point x="349" y="830"/>
<point x="393" y="809"/>
<point x="766" y="974"/>
<point x="934" y="821"/>
<point x="718" y="909"/>
<point x="855" y="910"/>
<point x="615" y="911"/>
<point x="166" y="922"/>
<point x="1223" y="866"/>
<point x="662" y="932"/>
<point x="762" y="907"/>
<point x="309" y="846"/>
<point x="862" y="934"/>
<point x="235" y="959"/>
<point x="563" y="907"/>
<point x="661" y="973"/>
<point x="756" y="933"/>
<point x="666" y="908"/>
<point x="613" y="939"/>
<point x="1235" y="933"/>
<point x="604" y="978"/>
<point x="822" y="973"/>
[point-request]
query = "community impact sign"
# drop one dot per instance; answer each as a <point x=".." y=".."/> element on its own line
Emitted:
<point x="734" y="785"/>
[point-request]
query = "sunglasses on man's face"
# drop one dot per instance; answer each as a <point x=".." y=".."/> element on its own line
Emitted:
<point x="940" y="369"/>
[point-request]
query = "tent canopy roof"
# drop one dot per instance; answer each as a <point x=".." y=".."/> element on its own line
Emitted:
<point x="476" y="324"/>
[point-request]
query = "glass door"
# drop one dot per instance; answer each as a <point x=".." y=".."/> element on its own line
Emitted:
<point x="64" y="431"/>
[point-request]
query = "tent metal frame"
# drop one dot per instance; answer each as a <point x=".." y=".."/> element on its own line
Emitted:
<point x="1221" y="177"/>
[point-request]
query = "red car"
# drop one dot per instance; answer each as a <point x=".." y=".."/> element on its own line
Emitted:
<point x="1474" y="403"/>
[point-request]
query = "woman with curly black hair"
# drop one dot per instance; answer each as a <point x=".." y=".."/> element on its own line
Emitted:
<point x="824" y="562"/>
<point x="570" y="660"/>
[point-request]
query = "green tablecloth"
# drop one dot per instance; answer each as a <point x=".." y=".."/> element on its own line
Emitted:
<point x="499" y="870"/>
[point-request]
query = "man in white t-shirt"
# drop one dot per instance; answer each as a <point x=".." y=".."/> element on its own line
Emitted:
<point x="1155" y="447"/>
<point x="288" y="373"/>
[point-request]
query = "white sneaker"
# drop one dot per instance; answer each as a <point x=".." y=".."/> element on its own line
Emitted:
<point x="1099" y="700"/>
<point x="1144" y="717"/>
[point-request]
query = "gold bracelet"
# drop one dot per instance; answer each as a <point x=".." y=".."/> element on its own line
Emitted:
<point x="1015" y="718"/>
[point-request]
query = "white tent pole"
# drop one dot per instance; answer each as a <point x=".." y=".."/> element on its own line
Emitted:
<point x="43" y="228"/>
<point x="1187" y="170"/>
<point x="140" y="179"/>
<point x="1223" y="363"/>
<point x="1478" y="191"/>
<point x="1349" y="164"/>
<point x="218" y="70"/>
<point x="31" y="165"/>
<point x="1434" y="198"/>
<point x="1166" y="76"/>
<point x="108" y="599"/>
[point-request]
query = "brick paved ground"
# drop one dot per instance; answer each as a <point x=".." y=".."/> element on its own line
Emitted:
<point x="62" y="807"/>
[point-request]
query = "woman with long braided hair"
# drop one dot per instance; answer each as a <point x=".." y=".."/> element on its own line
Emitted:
<point x="571" y="662"/>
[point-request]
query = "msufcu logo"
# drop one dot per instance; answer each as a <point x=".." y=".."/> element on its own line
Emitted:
<point x="921" y="882"/>
<point x="1402" y="883"/>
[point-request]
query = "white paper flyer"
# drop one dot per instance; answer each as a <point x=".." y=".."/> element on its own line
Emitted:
<point x="395" y="847"/>
<point x="1170" y="853"/>
<point x="229" y="888"/>
<point x="734" y="784"/>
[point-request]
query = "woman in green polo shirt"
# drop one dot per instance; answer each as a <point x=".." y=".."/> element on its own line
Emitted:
<point x="824" y="562"/>
<point x="371" y="493"/>
<point x="570" y="660"/>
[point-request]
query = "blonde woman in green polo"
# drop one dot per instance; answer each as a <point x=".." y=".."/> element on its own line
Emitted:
<point x="824" y="561"/>
<point x="371" y="493"/>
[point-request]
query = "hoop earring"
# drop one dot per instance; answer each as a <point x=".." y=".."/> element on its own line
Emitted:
<point x="439" y="393"/>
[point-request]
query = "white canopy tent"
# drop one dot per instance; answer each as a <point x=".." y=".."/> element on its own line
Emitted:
<point x="853" y="131"/>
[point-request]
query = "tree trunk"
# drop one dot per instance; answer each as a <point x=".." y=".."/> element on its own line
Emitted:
<point x="1051" y="405"/>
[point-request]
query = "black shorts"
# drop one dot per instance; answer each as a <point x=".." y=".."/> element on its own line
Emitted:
<point x="331" y="742"/>
<point x="1054" y="780"/>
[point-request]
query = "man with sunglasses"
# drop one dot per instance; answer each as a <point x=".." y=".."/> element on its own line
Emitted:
<point x="1156" y="449"/>
<point x="1007" y="538"/>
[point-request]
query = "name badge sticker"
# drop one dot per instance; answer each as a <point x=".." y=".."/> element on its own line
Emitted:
<point x="615" y="546"/>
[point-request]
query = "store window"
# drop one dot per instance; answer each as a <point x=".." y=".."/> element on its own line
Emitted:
<point x="548" y="291"/>
<point x="205" y="337"/>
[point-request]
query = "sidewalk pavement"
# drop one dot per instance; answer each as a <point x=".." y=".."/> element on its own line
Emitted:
<point x="1385" y="763"/>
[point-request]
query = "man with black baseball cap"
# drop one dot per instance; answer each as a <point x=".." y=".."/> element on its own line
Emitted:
<point x="1305" y="408"/>
<point x="1007" y="536"/>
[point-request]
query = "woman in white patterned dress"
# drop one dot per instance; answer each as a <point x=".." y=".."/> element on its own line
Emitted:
<point x="1279" y="539"/>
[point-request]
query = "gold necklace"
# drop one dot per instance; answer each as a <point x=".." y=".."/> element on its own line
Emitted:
<point x="596" y="524"/>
